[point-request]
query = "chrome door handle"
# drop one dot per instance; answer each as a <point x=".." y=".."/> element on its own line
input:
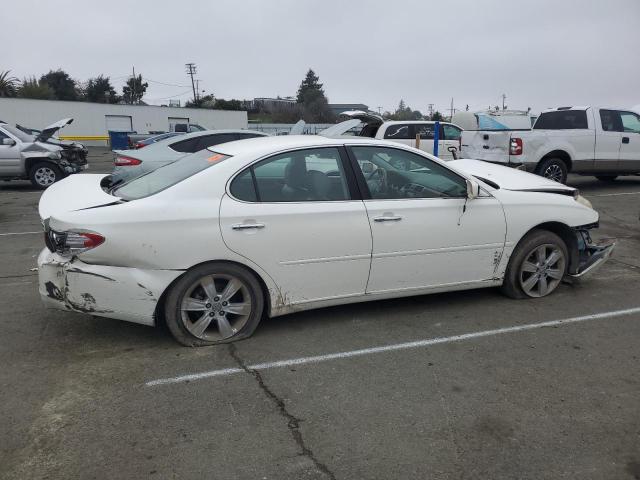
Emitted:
<point x="387" y="218"/>
<point x="247" y="226"/>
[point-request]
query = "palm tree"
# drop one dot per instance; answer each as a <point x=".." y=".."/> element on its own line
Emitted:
<point x="8" y="85"/>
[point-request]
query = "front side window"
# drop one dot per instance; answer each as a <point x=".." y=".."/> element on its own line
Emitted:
<point x="630" y="122"/>
<point x="562" y="120"/>
<point x="298" y="176"/>
<point x="398" y="132"/>
<point x="451" y="132"/>
<point x="393" y="174"/>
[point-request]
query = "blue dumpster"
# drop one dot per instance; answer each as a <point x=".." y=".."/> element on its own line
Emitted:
<point x="119" y="140"/>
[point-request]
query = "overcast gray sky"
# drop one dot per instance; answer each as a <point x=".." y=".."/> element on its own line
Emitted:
<point x="540" y="53"/>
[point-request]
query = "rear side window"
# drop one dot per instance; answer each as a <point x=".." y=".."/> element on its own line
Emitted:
<point x="298" y="176"/>
<point x="398" y="132"/>
<point x="562" y="120"/>
<point x="610" y="120"/>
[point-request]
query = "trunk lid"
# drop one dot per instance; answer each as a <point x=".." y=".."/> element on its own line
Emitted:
<point x="75" y="192"/>
<point x="48" y="132"/>
<point x="509" y="178"/>
<point x="483" y="145"/>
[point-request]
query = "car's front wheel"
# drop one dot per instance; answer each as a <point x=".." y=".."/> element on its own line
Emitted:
<point x="214" y="303"/>
<point x="537" y="266"/>
<point x="44" y="174"/>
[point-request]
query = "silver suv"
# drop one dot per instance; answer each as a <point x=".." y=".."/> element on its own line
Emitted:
<point x="40" y="158"/>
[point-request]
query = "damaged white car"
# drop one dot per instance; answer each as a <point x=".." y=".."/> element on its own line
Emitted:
<point x="276" y="225"/>
<point x="40" y="158"/>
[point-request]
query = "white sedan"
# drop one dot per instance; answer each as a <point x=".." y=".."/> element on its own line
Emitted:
<point x="276" y="225"/>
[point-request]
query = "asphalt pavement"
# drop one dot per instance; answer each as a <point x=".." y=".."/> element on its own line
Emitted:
<point x="464" y="385"/>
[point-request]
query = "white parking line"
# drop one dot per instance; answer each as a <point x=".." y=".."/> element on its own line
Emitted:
<point x="613" y="194"/>
<point x="19" y="233"/>
<point x="388" y="348"/>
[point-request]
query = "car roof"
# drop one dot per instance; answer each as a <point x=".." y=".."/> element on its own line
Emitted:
<point x="260" y="146"/>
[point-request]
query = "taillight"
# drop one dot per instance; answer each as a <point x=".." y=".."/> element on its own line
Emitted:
<point x="72" y="243"/>
<point x="515" y="146"/>
<point x="124" y="161"/>
<point x="138" y="145"/>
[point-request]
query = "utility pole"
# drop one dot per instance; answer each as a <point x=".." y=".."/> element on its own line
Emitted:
<point x="451" y="110"/>
<point x="191" y="71"/>
<point x="133" y="86"/>
<point x="198" y="90"/>
<point x="504" y="97"/>
<point x="430" y="108"/>
<point x="380" y="110"/>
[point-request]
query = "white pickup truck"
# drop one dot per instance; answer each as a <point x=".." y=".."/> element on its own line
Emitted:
<point x="599" y="141"/>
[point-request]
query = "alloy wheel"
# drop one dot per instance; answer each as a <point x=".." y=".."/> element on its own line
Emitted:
<point x="542" y="270"/>
<point x="216" y="307"/>
<point x="44" y="176"/>
<point x="553" y="172"/>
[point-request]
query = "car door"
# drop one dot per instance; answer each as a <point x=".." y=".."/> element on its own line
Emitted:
<point x="9" y="156"/>
<point x="629" y="142"/>
<point x="427" y="134"/>
<point x="426" y="233"/>
<point x="296" y="215"/>
<point x="450" y="135"/>
<point x="608" y="140"/>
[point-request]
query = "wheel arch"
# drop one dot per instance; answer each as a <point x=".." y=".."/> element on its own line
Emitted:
<point x="159" y="310"/>
<point x="31" y="161"/>
<point x="561" y="154"/>
<point x="566" y="233"/>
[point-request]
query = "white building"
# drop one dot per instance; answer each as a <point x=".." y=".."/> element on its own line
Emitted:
<point x="92" y="121"/>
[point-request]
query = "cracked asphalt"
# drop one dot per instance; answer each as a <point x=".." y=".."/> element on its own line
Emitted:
<point x="559" y="402"/>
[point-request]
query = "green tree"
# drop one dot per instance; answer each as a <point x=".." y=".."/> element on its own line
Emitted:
<point x="437" y="116"/>
<point x="309" y="84"/>
<point x="8" y="84"/>
<point x="33" y="88"/>
<point x="134" y="90"/>
<point x="100" y="90"/>
<point x="315" y="105"/>
<point x="404" y="112"/>
<point x="63" y="86"/>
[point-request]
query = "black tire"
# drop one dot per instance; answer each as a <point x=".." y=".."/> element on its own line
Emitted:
<point x="553" y="169"/>
<point x="512" y="285"/>
<point x="181" y="323"/>
<point x="606" y="178"/>
<point x="44" y="174"/>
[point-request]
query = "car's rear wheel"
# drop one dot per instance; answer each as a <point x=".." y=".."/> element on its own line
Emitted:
<point x="554" y="169"/>
<point x="537" y="266"/>
<point x="606" y="178"/>
<point x="214" y="303"/>
<point x="44" y="174"/>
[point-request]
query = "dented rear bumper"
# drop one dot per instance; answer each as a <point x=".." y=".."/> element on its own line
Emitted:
<point x="123" y="293"/>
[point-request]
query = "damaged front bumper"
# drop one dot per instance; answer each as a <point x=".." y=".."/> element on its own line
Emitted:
<point x="123" y="293"/>
<point x="591" y="255"/>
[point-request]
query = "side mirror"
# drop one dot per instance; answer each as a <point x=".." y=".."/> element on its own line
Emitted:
<point x="10" y="142"/>
<point x="473" y="189"/>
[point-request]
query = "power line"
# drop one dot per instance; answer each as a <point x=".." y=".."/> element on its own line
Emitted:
<point x="166" y="84"/>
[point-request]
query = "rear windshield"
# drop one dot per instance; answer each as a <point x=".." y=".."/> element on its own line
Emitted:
<point x="168" y="175"/>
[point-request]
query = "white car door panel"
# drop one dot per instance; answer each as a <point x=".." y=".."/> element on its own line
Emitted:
<point x="630" y="142"/>
<point x="315" y="243"/>
<point x="607" y="141"/>
<point x="426" y="233"/>
<point x="433" y="242"/>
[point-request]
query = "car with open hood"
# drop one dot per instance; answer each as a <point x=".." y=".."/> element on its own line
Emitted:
<point x="372" y="125"/>
<point x="40" y="158"/>
<point x="275" y="225"/>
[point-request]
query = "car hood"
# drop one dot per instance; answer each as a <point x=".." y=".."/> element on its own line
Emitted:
<point x="509" y="178"/>
<point x="47" y="132"/>
<point x="75" y="192"/>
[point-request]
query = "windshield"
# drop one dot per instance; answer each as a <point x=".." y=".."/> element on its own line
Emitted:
<point x="19" y="134"/>
<point x="168" y="175"/>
